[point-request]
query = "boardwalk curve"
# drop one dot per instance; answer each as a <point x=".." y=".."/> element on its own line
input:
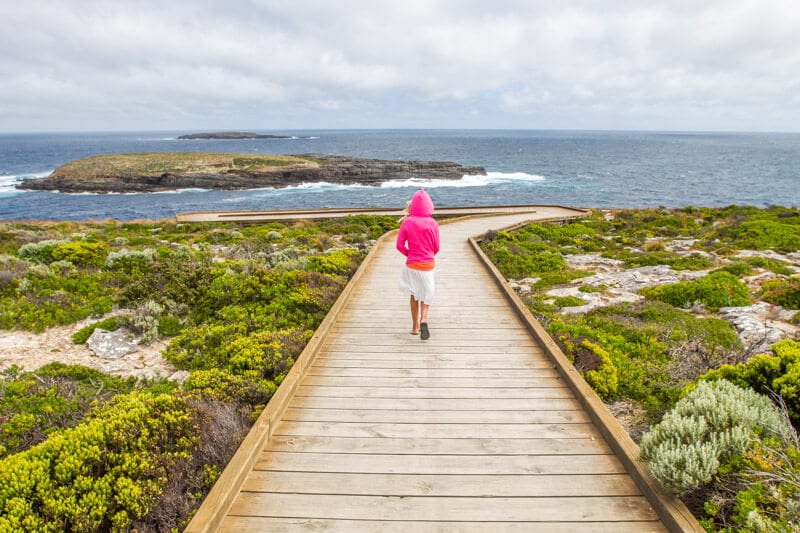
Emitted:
<point x="477" y="428"/>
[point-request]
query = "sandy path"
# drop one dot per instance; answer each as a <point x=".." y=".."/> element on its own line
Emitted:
<point x="32" y="350"/>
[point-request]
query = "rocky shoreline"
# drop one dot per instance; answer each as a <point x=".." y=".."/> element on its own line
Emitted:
<point x="313" y="168"/>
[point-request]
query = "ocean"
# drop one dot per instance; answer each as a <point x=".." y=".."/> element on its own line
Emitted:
<point x="573" y="168"/>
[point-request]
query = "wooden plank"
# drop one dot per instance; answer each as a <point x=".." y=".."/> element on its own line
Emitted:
<point x="399" y="340"/>
<point x="466" y="382"/>
<point x="438" y="431"/>
<point x="432" y="373"/>
<point x="439" y="464"/>
<point x="496" y="486"/>
<point x="450" y="392"/>
<point x="433" y="348"/>
<point x="372" y="360"/>
<point x="251" y="524"/>
<point x="399" y="335"/>
<point x="442" y="508"/>
<point x="429" y="416"/>
<point x="438" y="404"/>
<point x="478" y="445"/>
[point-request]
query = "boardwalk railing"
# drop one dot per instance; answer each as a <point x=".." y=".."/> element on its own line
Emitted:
<point x="670" y="509"/>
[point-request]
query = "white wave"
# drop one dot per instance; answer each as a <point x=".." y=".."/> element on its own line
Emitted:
<point x="113" y="193"/>
<point x="468" y="180"/>
<point x="8" y="183"/>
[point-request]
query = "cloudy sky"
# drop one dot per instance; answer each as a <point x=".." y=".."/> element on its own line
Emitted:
<point x="88" y="65"/>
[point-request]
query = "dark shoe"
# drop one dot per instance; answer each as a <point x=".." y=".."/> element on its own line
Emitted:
<point x="424" y="334"/>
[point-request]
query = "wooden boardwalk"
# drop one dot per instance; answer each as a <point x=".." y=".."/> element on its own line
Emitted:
<point x="476" y="429"/>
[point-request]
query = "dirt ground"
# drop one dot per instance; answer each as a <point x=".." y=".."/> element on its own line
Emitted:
<point x="31" y="350"/>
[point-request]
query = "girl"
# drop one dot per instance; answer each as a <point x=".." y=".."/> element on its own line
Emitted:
<point x="418" y="240"/>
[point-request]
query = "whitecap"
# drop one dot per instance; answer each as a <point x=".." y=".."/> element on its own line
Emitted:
<point x="468" y="180"/>
<point x="8" y="183"/>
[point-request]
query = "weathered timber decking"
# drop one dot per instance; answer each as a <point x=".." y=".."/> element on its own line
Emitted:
<point x="484" y="427"/>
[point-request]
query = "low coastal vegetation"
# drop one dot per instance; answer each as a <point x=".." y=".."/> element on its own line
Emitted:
<point x="645" y="302"/>
<point x="156" y="164"/>
<point x="81" y="450"/>
<point x="639" y="300"/>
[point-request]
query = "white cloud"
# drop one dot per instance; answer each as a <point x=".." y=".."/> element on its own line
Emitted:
<point x="458" y="63"/>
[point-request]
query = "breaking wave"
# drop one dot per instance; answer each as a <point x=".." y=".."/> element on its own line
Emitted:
<point x="8" y="183"/>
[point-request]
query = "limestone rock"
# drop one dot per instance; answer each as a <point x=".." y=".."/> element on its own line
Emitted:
<point x="111" y="344"/>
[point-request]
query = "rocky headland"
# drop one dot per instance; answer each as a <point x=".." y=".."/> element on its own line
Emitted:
<point x="153" y="172"/>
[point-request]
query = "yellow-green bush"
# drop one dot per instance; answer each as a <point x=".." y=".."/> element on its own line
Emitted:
<point x="102" y="474"/>
<point x="778" y="372"/>
<point x="81" y="253"/>
<point x="604" y="380"/>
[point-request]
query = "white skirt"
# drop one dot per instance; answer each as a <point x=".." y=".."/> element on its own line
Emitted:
<point x="418" y="283"/>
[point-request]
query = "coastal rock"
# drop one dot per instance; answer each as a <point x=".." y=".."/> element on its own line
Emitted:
<point x="760" y="325"/>
<point x="111" y="344"/>
<point x="314" y="168"/>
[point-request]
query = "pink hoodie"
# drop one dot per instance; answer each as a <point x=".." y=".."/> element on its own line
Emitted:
<point x="418" y="238"/>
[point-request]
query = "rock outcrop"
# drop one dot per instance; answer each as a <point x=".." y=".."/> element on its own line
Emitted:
<point x="317" y="168"/>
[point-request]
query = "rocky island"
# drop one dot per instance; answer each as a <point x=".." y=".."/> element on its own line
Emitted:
<point x="225" y="135"/>
<point x="152" y="172"/>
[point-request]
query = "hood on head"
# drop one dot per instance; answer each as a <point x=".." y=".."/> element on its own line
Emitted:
<point x="421" y="205"/>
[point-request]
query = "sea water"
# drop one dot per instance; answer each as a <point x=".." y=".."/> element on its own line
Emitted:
<point x="574" y="168"/>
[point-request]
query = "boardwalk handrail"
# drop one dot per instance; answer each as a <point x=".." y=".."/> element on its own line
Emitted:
<point x="672" y="512"/>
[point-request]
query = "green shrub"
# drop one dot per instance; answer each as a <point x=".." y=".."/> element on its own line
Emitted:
<point x="81" y="253"/>
<point x="644" y="342"/>
<point x="569" y="301"/>
<point x="39" y="252"/>
<point x="169" y="326"/>
<point x="778" y="372"/>
<point x="109" y="324"/>
<point x="558" y="277"/>
<point x="130" y="260"/>
<point x="717" y="289"/>
<point x="102" y="474"/>
<point x="739" y="269"/>
<point x="44" y="299"/>
<point x="34" y="404"/>
<point x="782" y="291"/>
<point x="768" y="235"/>
<point x="592" y="288"/>
<point x="706" y="429"/>
<point x="771" y="501"/>
<point x="515" y="262"/>
<point x="773" y="265"/>
<point x="604" y="379"/>
<point x="342" y="262"/>
<point x="223" y="385"/>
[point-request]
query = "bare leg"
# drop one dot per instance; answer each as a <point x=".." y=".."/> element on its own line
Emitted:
<point x="424" y="312"/>
<point x="415" y="315"/>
